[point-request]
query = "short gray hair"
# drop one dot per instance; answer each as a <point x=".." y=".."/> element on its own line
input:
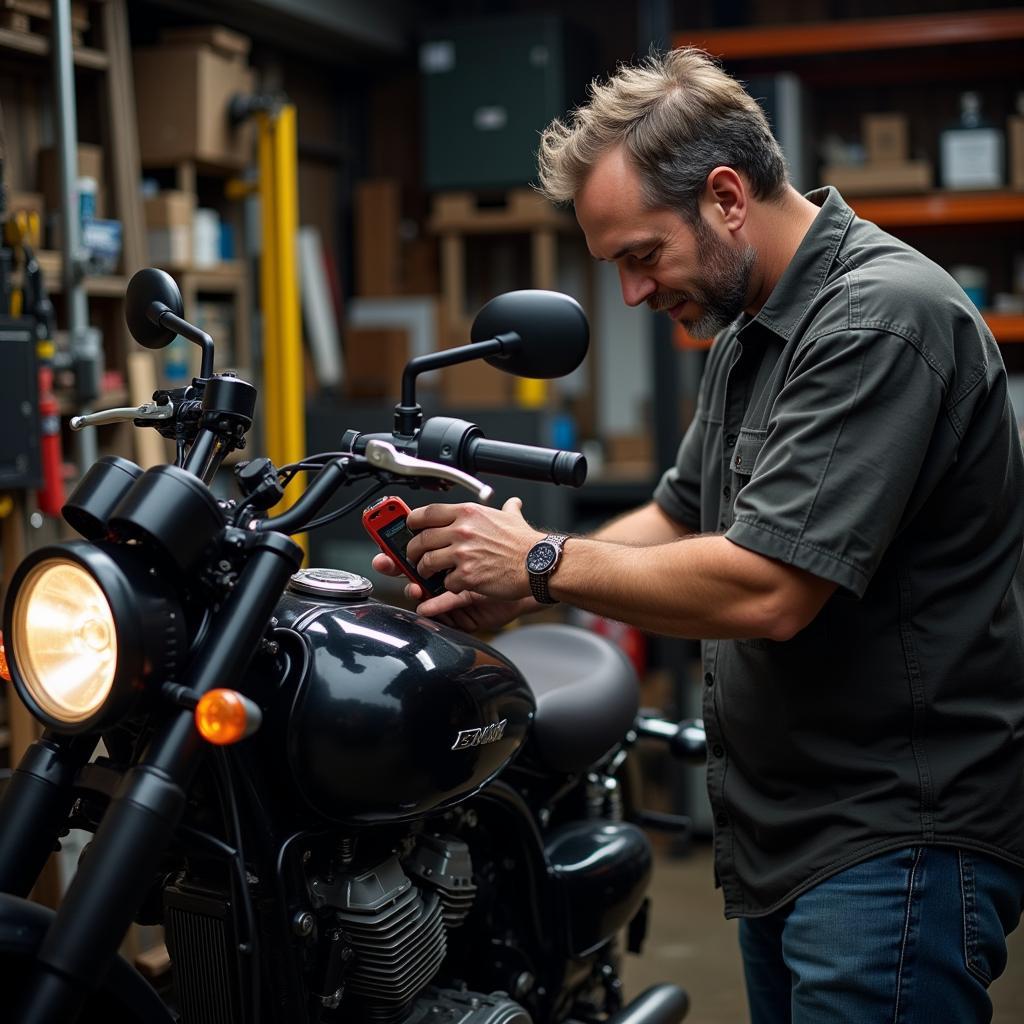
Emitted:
<point x="679" y="116"/>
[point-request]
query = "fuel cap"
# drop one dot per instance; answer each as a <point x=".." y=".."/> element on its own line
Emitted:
<point x="331" y="583"/>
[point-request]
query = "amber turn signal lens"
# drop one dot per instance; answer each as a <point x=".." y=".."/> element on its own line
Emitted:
<point x="225" y="716"/>
<point x="5" y="669"/>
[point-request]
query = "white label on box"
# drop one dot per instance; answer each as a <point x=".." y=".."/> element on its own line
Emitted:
<point x="490" y="119"/>
<point x="437" y="57"/>
<point x="972" y="158"/>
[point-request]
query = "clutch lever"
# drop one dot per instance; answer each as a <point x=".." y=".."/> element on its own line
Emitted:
<point x="150" y="413"/>
<point x="384" y="455"/>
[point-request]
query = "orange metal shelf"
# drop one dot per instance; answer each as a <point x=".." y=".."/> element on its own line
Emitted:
<point x="913" y="31"/>
<point x="941" y="208"/>
<point x="1008" y="328"/>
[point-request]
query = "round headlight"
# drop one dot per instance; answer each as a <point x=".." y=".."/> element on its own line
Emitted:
<point x="86" y="627"/>
<point x="64" y="631"/>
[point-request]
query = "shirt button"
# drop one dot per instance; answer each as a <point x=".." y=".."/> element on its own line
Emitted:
<point x="709" y="679"/>
<point x="718" y="750"/>
<point x="730" y="440"/>
<point x="721" y="820"/>
<point x="726" y="491"/>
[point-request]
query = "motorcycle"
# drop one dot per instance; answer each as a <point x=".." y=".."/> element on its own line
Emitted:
<point x="338" y="810"/>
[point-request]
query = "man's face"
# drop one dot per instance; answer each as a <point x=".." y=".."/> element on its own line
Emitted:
<point x="700" y="279"/>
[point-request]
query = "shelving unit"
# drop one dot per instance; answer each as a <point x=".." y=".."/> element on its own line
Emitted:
<point x="886" y="54"/>
<point x="105" y="97"/>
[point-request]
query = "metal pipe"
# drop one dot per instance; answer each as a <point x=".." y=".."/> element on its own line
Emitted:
<point x="87" y="356"/>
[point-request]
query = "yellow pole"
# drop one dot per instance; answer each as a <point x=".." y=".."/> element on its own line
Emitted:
<point x="268" y="291"/>
<point x="290" y="340"/>
<point x="283" y="379"/>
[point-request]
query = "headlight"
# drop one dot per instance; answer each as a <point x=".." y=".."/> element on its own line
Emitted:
<point x="86" y="626"/>
<point x="66" y="637"/>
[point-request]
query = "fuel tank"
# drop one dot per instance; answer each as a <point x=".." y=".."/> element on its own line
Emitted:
<point x="394" y="715"/>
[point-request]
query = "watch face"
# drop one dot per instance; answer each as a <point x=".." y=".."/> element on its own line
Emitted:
<point x="541" y="557"/>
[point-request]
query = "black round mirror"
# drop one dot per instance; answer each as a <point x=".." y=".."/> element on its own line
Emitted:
<point x="545" y="334"/>
<point x="146" y="287"/>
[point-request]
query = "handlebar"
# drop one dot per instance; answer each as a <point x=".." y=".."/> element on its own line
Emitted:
<point x="462" y="445"/>
<point x="525" y="461"/>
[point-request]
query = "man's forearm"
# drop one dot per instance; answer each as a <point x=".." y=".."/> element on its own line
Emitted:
<point x="701" y="587"/>
<point x="641" y="527"/>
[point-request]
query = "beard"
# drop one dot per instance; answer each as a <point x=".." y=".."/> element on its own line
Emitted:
<point x="722" y="288"/>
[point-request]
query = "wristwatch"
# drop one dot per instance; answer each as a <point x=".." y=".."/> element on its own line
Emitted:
<point x="541" y="561"/>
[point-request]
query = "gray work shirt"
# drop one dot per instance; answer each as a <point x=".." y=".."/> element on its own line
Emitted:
<point x="859" y="428"/>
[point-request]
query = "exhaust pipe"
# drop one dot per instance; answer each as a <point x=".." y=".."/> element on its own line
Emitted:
<point x="660" y="1004"/>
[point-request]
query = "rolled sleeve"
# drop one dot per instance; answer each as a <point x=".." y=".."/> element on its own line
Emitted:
<point x="844" y="445"/>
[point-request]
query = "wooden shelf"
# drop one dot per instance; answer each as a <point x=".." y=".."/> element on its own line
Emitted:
<point x="857" y="36"/>
<point x="39" y="46"/>
<point x="941" y="208"/>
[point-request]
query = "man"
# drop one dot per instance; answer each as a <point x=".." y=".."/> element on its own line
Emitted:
<point x="843" y="529"/>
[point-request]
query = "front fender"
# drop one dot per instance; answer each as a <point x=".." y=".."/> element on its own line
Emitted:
<point x="123" y="995"/>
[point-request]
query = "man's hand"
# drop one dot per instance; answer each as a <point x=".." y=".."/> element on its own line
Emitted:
<point x="483" y="549"/>
<point x="468" y="611"/>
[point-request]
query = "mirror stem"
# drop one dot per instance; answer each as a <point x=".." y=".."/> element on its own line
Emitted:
<point x="408" y="414"/>
<point x="162" y="316"/>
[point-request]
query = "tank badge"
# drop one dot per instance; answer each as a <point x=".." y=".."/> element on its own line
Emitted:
<point x="478" y="737"/>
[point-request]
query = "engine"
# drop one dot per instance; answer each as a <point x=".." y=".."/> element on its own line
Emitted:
<point x="392" y="922"/>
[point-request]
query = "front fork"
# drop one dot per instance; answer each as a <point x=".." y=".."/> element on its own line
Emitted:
<point x="114" y="878"/>
<point x="36" y="805"/>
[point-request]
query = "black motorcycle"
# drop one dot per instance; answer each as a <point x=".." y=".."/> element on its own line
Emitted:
<point x="338" y="810"/>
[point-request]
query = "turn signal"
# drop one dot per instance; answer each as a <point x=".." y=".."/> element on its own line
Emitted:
<point x="5" y="669"/>
<point x="225" y="716"/>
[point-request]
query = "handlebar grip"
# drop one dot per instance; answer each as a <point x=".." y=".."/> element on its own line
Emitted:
<point x="525" y="461"/>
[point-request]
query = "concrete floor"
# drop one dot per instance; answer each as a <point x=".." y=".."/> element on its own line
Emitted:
<point x="691" y="944"/>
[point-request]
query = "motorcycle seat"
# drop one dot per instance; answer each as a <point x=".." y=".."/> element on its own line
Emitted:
<point x="586" y="691"/>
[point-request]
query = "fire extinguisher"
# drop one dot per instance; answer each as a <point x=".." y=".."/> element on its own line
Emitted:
<point x="50" y="496"/>
<point x="22" y="231"/>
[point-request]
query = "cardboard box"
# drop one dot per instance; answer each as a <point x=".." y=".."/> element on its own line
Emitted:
<point x="879" y="179"/>
<point x="1015" y="132"/>
<point x="90" y="165"/>
<point x="886" y="138"/>
<point x="378" y="245"/>
<point x="374" y="360"/>
<point x="216" y="37"/>
<point x="169" y="228"/>
<point x="182" y="94"/>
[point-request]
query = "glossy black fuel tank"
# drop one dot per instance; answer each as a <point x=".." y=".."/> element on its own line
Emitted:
<point x="395" y="715"/>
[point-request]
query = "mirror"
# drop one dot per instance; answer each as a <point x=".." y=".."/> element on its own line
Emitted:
<point x="145" y="288"/>
<point x="543" y="334"/>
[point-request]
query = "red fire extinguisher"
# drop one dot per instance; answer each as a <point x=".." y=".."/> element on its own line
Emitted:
<point x="50" y="496"/>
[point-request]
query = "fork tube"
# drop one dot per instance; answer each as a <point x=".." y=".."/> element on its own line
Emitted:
<point x="35" y="807"/>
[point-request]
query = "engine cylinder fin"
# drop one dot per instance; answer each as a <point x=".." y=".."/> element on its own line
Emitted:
<point x="395" y="958"/>
<point x="443" y="863"/>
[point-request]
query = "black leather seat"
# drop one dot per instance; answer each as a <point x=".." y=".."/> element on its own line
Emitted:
<point x="586" y="690"/>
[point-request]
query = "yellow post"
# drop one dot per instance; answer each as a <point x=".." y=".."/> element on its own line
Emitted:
<point x="268" y="290"/>
<point x="283" y="379"/>
<point x="293" y="411"/>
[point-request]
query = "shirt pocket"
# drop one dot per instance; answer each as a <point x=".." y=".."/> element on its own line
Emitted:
<point x="748" y="447"/>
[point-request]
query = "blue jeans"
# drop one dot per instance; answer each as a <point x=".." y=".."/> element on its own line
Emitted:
<point x="913" y="936"/>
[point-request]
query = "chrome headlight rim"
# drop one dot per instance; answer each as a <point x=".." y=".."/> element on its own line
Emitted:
<point x="113" y="583"/>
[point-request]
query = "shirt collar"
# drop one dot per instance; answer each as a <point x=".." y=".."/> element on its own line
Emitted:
<point x="808" y="270"/>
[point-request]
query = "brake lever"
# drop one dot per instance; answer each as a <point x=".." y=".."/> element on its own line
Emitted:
<point x="386" y="456"/>
<point x="150" y="412"/>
